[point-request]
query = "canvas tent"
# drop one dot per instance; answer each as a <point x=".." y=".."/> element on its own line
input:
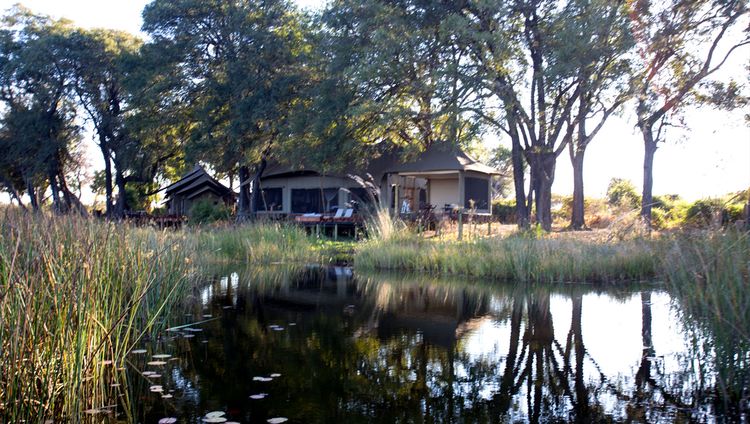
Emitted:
<point x="194" y="186"/>
<point x="444" y="178"/>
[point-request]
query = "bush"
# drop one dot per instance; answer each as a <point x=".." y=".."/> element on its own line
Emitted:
<point x="622" y="193"/>
<point x="204" y="212"/>
<point x="504" y="210"/>
<point x="701" y="213"/>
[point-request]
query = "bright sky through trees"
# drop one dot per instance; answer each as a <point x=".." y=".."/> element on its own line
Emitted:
<point x="709" y="158"/>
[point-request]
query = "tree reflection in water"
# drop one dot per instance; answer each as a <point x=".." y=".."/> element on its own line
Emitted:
<point x="409" y="349"/>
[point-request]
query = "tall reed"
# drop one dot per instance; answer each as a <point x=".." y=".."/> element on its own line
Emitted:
<point x="709" y="274"/>
<point x="75" y="296"/>
<point x="519" y="258"/>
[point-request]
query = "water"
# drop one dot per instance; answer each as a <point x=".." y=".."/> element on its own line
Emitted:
<point x="322" y="345"/>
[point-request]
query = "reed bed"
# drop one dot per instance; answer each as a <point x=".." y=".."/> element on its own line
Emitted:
<point x="262" y="243"/>
<point x="709" y="273"/>
<point x="75" y="297"/>
<point x="518" y="258"/>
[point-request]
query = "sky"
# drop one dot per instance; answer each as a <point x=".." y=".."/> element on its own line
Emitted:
<point x="709" y="158"/>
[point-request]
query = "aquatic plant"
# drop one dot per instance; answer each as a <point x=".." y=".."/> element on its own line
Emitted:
<point x="75" y="296"/>
<point x="709" y="272"/>
<point x="520" y="259"/>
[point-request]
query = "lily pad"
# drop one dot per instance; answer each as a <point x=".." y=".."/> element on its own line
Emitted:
<point x="168" y="420"/>
<point x="215" y="420"/>
<point x="215" y="414"/>
<point x="162" y="356"/>
<point x="156" y="363"/>
<point x="262" y="379"/>
<point x="258" y="396"/>
<point x="275" y="375"/>
<point x="277" y="420"/>
<point x="138" y="351"/>
<point x="156" y="389"/>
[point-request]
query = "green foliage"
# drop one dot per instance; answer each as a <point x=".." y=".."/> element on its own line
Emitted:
<point x="709" y="273"/>
<point x="622" y="193"/>
<point x="504" y="210"/>
<point x="205" y="212"/>
<point x="76" y="293"/>
<point x="528" y="258"/>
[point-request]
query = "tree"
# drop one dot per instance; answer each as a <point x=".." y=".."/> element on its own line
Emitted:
<point x="239" y="67"/>
<point x="602" y="28"/>
<point x="525" y="64"/>
<point x="101" y="59"/>
<point x="40" y="116"/>
<point x="680" y="43"/>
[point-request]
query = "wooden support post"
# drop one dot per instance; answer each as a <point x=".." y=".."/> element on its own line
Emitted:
<point x="489" y="227"/>
<point x="460" y="225"/>
<point x="317" y="230"/>
<point x="335" y="232"/>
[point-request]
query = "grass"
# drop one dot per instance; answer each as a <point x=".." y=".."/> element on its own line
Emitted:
<point x="264" y="243"/>
<point x="75" y="297"/>
<point x="519" y="258"/>
<point x="709" y="273"/>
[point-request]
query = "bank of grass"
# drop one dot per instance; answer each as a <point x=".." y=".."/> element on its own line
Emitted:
<point x="76" y="296"/>
<point x="708" y="272"/>
<point x="263" y="243"/>
<point x="519" y="258"/>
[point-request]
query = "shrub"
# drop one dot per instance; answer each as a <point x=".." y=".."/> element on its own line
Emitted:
<point x="504" y="210"/>
<point x="622" y="193"/>
<point x="205" y="211"/>
<point x="701" y="213"/>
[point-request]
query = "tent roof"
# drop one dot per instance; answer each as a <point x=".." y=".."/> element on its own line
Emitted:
<point x="197" y="179"/>
<point x="436" y="159"/>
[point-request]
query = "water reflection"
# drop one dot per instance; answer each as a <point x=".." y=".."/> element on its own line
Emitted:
<point x="391" y="348"/>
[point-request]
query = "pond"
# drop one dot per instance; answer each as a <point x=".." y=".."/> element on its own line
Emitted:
<point x="324" y="345"/>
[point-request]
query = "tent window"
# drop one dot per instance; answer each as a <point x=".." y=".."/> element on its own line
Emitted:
<point x="477" y="190"/>
<point x="271" y="200"/>
<point x="315" y="200"/>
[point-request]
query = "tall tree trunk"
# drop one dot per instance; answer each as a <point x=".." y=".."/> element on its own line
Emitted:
<point x="31" y="191"/>
<point x="543" y="168"/>
<point x="243" y="205"/>
<point x="107" y="176"/>
<point x="522" y="211"/>
<point x="71" y="200"/>
<point x="256" y="185"/>
<point x="577" y="219"/>
<point x="648" y="174"/>
<point x="57" y="203"/>
<point x="122" y="203"/>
